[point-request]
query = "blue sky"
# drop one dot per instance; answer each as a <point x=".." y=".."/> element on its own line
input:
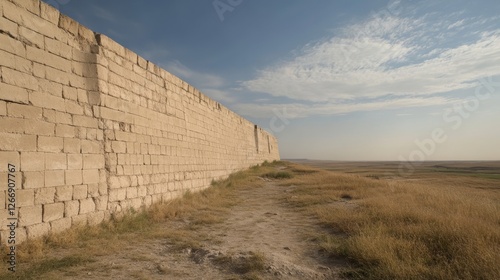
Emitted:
<point x="339" y="80"/>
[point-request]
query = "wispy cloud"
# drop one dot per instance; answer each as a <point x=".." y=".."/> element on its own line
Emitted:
<point x="384" y="62"/>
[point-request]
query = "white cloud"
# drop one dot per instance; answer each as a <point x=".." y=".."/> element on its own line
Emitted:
<point x="382" y="57"/>
<point x="198" y="79"/>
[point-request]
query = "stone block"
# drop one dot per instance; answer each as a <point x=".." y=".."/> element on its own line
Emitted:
<point x="80" y="220"/>
<point x="49" y="13"/>
<point x="91" y="176"/>
<point x="52" y="212"/>
<point x="63" y="130"/>
<point x="15" y="62"/>
<point x="91" y="147"/>
<point x="71" y="208"/>
<point x="30" y="215"/>
<point x="54" y="178"/>
<point x="87" y="206"/>
<point x="50" y="144"/>
<point x="60" y="225"/>
<point x="13" y="93"/>
<point x="64" y="193"/>
<point x="95" y="218"/>
<point x="31" y="37"/>
<point x="93" y="161"/>
<point x="38" y="230"/>
<point x="101" y="203"/>
<point x="25" y="198"/>
<point x="55" y="161"/>
<point x="68" y="24"/>
<point x="117" y="194"/>
<point x="80" y="192"/>
<point x="75" y="161"/>
<point x="58" y="48"/>
<point x="9" y="27"/>
<point x="73" y="177"/>
<point x="34" y="180"/>
<point x="19" y="79"/>
<point x="93" y="190"/>
<point x="23" y="111"/>
<point x="44" y="195"/>
<point x="85" y="121"/>
<point x="11" y="45"/>
<point x="39" y="127"/>
<point x="9" y="158"/>
<point x="46" y="100"/>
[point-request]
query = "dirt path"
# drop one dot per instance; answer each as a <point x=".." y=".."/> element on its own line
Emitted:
<point x="261" y="237"/>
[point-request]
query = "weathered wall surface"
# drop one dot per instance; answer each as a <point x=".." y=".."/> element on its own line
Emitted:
<point x="93" y="129"/>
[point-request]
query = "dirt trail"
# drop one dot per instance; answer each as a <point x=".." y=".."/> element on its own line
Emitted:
<point x="259" y="227"/>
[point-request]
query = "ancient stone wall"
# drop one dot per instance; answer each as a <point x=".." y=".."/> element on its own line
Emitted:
<point x="88" y="128"/>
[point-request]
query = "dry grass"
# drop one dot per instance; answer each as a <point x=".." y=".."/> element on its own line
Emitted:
<point x="82" y="245"/>
<point x="427" y="229"/>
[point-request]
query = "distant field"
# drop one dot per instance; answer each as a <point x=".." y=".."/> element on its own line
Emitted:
<point x="396" y="170"/>
<point x="442" y="221"/>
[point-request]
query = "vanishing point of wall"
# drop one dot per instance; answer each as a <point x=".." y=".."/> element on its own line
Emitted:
<point x="88" y="128"/>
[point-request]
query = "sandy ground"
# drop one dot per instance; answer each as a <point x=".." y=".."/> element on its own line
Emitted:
<point x="260" y="225"/>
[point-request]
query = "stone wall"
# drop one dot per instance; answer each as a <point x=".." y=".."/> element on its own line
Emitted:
<point x="93" y="129"/>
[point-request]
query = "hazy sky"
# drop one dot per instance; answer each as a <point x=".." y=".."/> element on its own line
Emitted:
<point x="340" y="80"/>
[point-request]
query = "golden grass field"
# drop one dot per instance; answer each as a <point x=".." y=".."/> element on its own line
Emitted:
<point x="442" y="222"/>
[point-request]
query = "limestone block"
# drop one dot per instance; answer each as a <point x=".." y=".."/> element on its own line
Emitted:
<point x="63" y="118"/>
<point x="80" y="192"/>
<point x="9" y="26"/>
<point x="71" y="208"/>
<point x="58" y="76"/>
<point x="73" y="177"/>
<point x="117" y="194"/>
<point x="19" y="79"/>
<point x="65" y="131"/>
<point x="38" y="230"/>
<point x="93" y="161"/>
<point x="60" y="225"/>
<point x="45" y="100"/>
<point x="75" y="161"/>
<point x="25" y="198"/>
<point x="58" y="48"/>
<point x="96" y="218"/>
<point x="85" y="121"/>
<point x="44" y="195"/>
<point x="91" y="147"/>
<point x="52" y="212"/>
<point x="64" y="193"/>
<point x="50" y="144"/>
<point x="14" y="125"/>
<point x="49" y="13"/>
<point x="54" y="178"/>
<point x="80" y="220"/>
<point x="45" y="58"/>
<point x="87" y="206"/>
<point x="101" y="203"/>
<point x="91" y="176"/>
<point x="131" y="192"/>
<point x="68" y="24"/>
<point x="23" y="111"/>
<point x="93" y="190"/>
<point x="31" y="37"/>
<point x="33" y="180"/>
<point x="73" y="107"/>
<point x="30" y="215"/>
<point x="13" y="93"/>
<point x="11" y="45"/>
<point x="55" y="161"/>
